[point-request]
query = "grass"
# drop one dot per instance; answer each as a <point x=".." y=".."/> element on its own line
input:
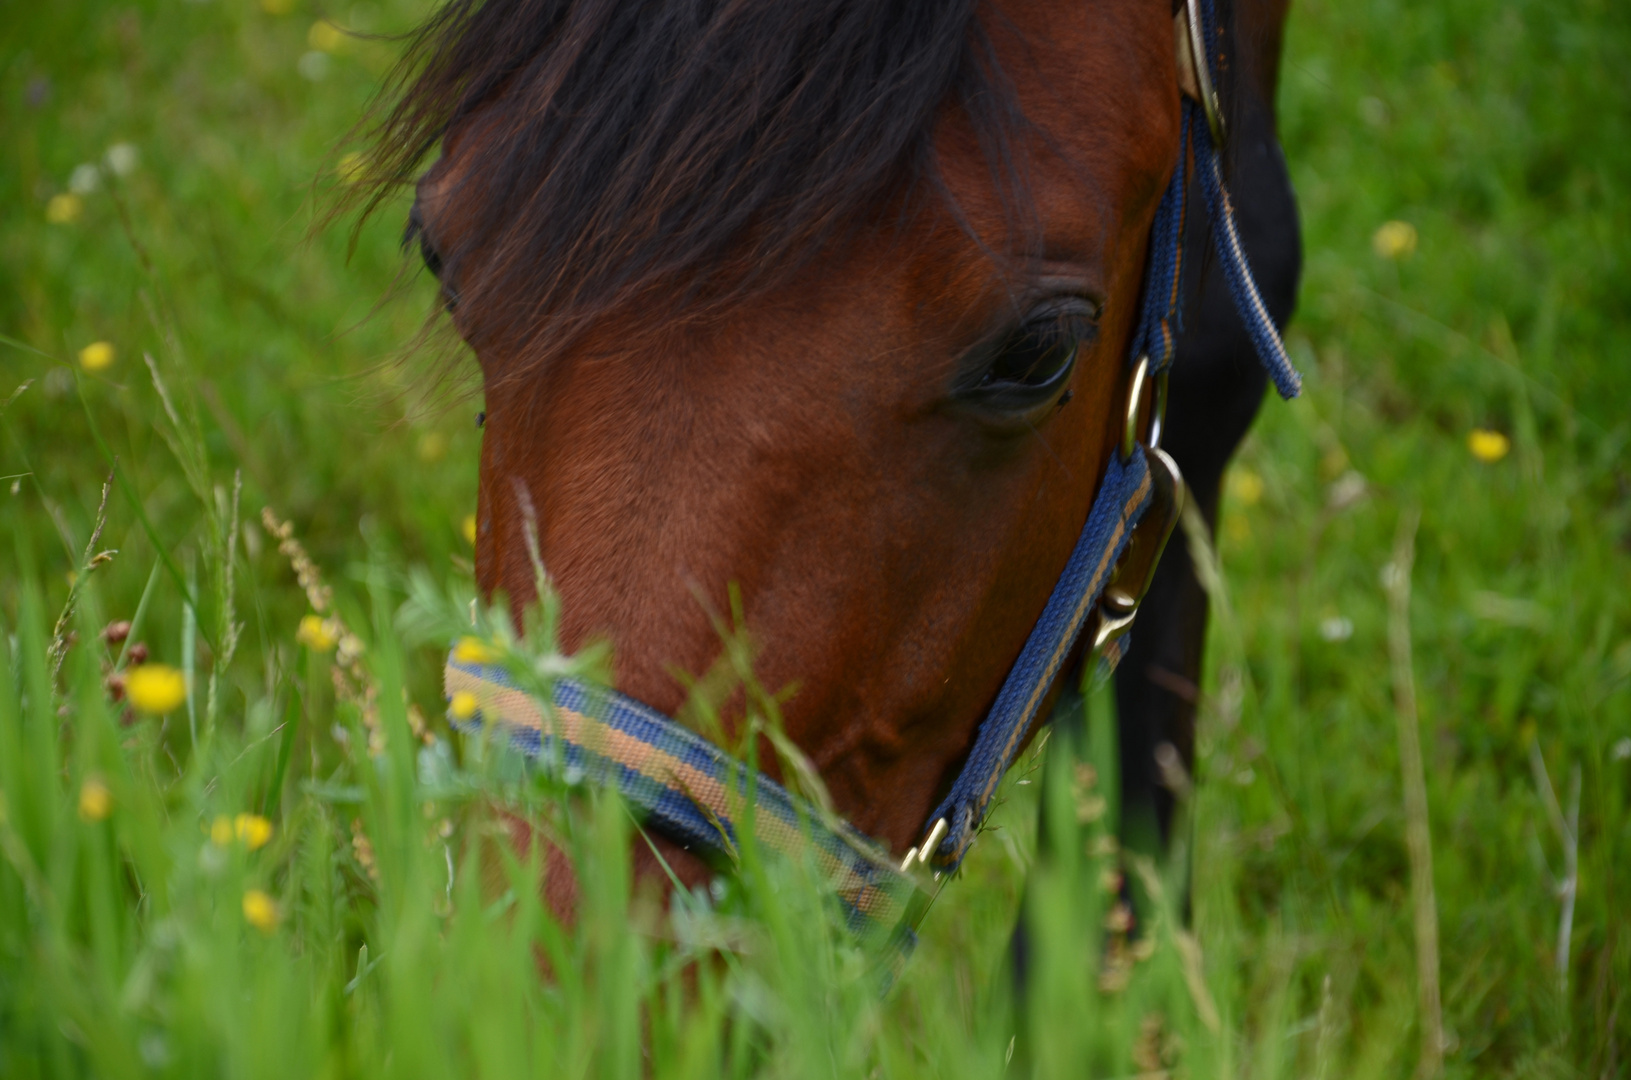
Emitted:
<point x="404" y="938"/>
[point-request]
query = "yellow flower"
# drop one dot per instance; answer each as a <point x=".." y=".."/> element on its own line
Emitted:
<point x="221" y="831"/>
<point x="64" y="209"/>
<point x="351" y="168"/>
<point x="95" y="800"/>
<point x="1488" y="446"/>
<point x="473" y="650"/>
<point x="324" y="36"/>
<point x="155" y="688"/>
<point x="97" y="356"/>
<point x="260" y="911"/>
<point x="432" y="447"/>
<point x="468" y="527"/>
<point x="252" y="829"/>
<point x="1247" y="485"/>
<point x="463" y="705"/>
<point x="1394" y="240"/>
<point x="316" y="634"/>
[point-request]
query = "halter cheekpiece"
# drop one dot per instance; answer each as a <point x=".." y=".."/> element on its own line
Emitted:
<point x="693" y="793"/>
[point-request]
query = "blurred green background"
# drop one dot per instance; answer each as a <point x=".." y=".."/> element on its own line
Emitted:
<point x="1464" y="173"/>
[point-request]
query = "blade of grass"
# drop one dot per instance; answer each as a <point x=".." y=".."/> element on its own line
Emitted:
<point x="88" y="563"/>
<point x="136" y="505"/>
<point x="189" y="652"/>
<point x="141" y="612"/>
<point x="291" y="724"/>
<point x="1418" y="836"/>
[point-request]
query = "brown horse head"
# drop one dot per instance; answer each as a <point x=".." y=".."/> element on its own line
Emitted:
<point x="826" y="299"/>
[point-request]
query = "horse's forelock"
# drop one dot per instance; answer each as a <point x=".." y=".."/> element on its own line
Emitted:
<point x="673" y="157"/>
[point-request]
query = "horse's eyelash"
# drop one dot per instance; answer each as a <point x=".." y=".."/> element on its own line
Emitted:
<point x="1057" y="327"/>
<point x="1061" y="327"/>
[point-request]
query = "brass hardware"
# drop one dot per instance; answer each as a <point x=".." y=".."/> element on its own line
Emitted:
<point x="1158" y="413"/>
<point x="1118" y="600"/>
<point x="1145" y="392"/>
<point x="1181" y="50"/>
<point x="921" y="853"/>
<point x="1135" y="570"/>
<point x="1135" y="406"/>
<point x="1206" y="93"/>
<point x="1110" y="628"/>
<point x="932" y="841"/>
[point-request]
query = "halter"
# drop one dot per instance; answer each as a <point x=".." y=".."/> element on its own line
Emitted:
<point x="698" y="796"/>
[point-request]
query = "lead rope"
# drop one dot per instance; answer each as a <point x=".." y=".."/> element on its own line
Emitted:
<point x="1271" y="351"/>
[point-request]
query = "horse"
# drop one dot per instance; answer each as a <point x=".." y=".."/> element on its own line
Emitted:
<point x="829" y="302"/>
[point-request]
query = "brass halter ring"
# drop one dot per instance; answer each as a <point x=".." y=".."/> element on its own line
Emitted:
<point x="1144" y="392"/>
<point x="1204" y="90"/>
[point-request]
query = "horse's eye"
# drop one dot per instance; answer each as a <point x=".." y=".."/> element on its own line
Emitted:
<point x="1030" y="366"/>
<point x="1034" y="357"/>
<point x="432" y="257"/>
<point x="427" y="251"/>
<point x="415" y="233"/>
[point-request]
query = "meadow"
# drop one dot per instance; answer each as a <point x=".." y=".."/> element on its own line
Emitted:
<point x="1408" y="836"/>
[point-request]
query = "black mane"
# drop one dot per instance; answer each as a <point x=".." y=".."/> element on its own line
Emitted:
<point x="675" y="157"/>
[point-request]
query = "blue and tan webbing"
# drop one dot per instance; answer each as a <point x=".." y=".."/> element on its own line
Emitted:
<point x="686" y="788"/>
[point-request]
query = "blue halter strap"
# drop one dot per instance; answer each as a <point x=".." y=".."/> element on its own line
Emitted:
<point x="695" y="794"/>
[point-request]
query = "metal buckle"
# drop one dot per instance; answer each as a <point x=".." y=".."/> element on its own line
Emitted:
<point x="1135" y="570"/>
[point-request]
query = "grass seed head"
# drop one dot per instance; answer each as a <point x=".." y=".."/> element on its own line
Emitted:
<point x="122" y="158"/>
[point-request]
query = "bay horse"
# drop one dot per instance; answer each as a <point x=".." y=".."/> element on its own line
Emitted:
<point x="831" y="302"/>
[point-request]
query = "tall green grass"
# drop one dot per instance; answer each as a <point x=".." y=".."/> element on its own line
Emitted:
<point x="385" y="923"/>
<point x="1499" y="136"/>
